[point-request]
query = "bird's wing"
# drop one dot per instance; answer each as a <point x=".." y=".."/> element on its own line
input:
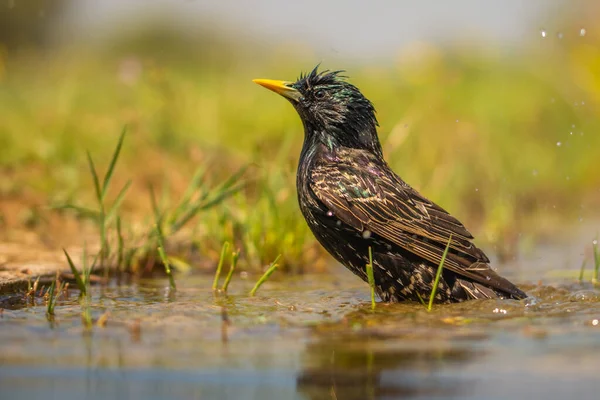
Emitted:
<point x="369" y="196"/>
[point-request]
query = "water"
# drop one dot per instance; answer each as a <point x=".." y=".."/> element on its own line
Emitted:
<point x="310" y="337"/>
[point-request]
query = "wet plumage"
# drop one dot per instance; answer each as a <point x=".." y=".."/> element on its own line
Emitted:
<point x="352" y="200"/>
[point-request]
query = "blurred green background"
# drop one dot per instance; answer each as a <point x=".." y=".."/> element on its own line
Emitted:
<point x="503" y="131"/>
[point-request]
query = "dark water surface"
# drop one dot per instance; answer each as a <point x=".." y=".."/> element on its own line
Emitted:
<point x="310" y="337"/>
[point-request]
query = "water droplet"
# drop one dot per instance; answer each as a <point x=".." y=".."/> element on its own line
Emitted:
<point x="580" y="219"/>
<point x="329" y="214"/>
<point x="543" y="33"/>
<point x="477" y="189"/>
<point x="582" y="103"/>
<point x="366" y="234"/>
<point x="595" y="322"/>
<point x="558" y="144"/>
<point x="571" y="133"/>
<point x="488" y="278"/>
<point x="595" y="242"/>
<point x="338" y="223"/>
<point x="568" y="178"/>
<point x="573" y="126"/>
<point x="575" y="104"/>
<point x="531" y="301"/>
<point x="456" y="120"/>
<point x="559" y="35"/>
<point x="535" y="172"/>
<point x="582" y="32"/>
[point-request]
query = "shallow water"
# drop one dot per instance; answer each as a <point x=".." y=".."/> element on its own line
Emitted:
<point x="310" y="337"/>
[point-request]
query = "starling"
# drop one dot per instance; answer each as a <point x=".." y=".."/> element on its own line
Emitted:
<point x="352" y="200"/>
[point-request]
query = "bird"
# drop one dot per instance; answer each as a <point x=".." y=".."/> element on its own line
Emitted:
<point x="362" y="212"/>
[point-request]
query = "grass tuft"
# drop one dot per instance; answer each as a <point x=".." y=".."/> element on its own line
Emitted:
<point x="84" y="285"/>
<point x="53" y="295"/>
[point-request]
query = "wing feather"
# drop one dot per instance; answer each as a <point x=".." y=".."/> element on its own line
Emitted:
<point x="369" y="195"/>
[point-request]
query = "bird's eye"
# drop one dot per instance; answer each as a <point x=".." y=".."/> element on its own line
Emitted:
<point x="319" y="94"/>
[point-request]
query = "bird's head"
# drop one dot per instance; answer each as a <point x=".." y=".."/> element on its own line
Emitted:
<point x="332" y="110"/>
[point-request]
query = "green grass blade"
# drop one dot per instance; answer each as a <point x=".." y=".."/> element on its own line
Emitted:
<point x="438" y="275"/>
<point x="421" y="299"/>
<point x="113" y="162"/>
<point x="96" y="181"/>
<point x="371" y="277"/>
<point x="222" y="195"/>
<point x="157" y="214"/>
<point x="235" y="177"/>
<point x="265" y="276"/>
<point x="117" y="203"/>
<point x="193" y="186"/>
<point x="220" y="265"/>
<point x="50" y="307"/>
<point x="234" y="259"/>
<point x="76" y="274"/>
<point x="163" y="256"/>
<point x="167" y="265"/>
<point x="192" y="212"/>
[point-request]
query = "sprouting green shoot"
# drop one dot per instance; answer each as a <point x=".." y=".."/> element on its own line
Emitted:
<point x="234" y="259"/>
<point x="266" y="275"/>
<point x="81" y="285"/>
<point x="50" y="298"/>
<point x="163" y="256"/>
<point x="220" y="265"/>
<point x="371" y="277"/>
<point x="438" y="275"/>
<point x="53" y="294"/>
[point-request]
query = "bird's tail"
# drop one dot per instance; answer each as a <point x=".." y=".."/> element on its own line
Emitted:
<point x="474" y="290"/>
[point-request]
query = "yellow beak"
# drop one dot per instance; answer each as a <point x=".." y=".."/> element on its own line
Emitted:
<point x="280" y="87"/>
